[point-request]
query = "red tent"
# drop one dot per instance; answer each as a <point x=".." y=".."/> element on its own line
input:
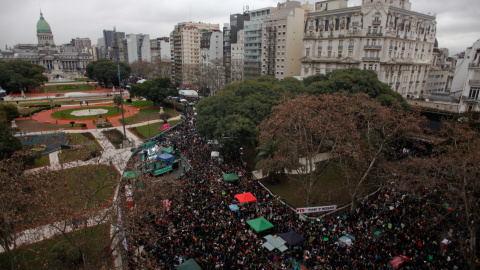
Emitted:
<point x="245" y="197"/>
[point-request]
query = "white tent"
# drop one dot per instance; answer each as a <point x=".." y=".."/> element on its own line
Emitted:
<point x="141" y="81"/>
<point x="188" y="93"/>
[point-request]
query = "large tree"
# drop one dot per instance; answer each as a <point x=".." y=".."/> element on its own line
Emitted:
<point x="246" y="103"/>
<point x="9" y="144"/>
<point x="23" y="202"/>
<point x="355" y="131"/>
<point x="105" y="71"/>
<point x="449" y="182"/>
<point x="21" y="75"/>
<point x="142" y="69"/>
<point x="352" y="81"/>
<point x="155" y="90"/>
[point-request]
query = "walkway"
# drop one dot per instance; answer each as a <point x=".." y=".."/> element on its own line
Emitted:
<point x="320" y="157"/>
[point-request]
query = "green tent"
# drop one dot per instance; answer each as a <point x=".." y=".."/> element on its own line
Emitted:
<point x="191" y="104"/>
<point x="167" y="150"/>
<point x="130" y="174"/>
<point x="230" y="177"/>
<point x="189" y="265"/>
<point x="260" y="224"/>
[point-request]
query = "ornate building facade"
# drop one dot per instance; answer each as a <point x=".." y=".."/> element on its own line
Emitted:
<point x="58" y="65"/>
<point x="381" y="35"/>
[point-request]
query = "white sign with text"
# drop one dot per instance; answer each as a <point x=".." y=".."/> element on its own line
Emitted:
<point x="307" y="210"/>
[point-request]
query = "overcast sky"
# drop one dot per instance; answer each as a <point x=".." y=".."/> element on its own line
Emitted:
<point x="458" y="24"/>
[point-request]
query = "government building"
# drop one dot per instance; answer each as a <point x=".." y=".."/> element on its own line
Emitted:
<point x="63" y="62"/>
<point x="385" y="36"/>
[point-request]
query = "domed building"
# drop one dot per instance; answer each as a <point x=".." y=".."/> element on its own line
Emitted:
<point x="62" y="62"/>
<point x="44" y="33"/>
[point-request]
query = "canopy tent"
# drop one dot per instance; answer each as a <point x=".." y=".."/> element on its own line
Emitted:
<point x="183" y="100"/>
<point x="291" y="237"/>
<point x="233" y="207"/>
<point x="274" y="243"/>
<point x="230" y="178"/>
<point x="191" y="104"/>
<point x="167" y="150"/>
<point x="246" y="197"/>
<point x="141" y="81"/>
<point x="130" y="174"/>
<point x="188" y="93"/>
<point x="189" y="265"/>
<point x="148" y="145"/>
<point x="260" y="224"/>
<point x="166" y="157"/>
<point x="215" y="154"/>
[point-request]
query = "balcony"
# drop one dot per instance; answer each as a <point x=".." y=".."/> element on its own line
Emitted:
<point x="374" y="34"/>
<point x="474" y="83"/>
<point x="474" y="66"/>
<point x="470" y="99"/>
<point x="329" y="48"/>
<point x="350" y="47"/>
<point x="371" y="58"/>
<point x="377" y="22"/>
<point x="311" y="35"/>
<point x="373" y="47"/>
<point x="355" y="23"/>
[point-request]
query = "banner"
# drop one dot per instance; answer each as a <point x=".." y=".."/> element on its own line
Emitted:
<point x="307" y="210"/>
<point x="165" y="126"/>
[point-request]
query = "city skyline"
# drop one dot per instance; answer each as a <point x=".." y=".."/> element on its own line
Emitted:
<point x="456" y="25"/>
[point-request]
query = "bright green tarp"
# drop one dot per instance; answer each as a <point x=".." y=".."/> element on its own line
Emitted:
<point x="130" y="174"/>
<point x="189" y="265"/>
<point x="260" y="224"/>
<point x="230" y="177"/>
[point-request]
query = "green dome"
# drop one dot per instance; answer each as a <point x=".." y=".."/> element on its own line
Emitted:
<point x="42" y="25"/>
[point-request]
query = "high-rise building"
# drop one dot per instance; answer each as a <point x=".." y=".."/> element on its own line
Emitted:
<point x="252" y="62"/>
<point x="160" y="49"/>
<point x="466" y="82"/>
<point x="185" y="47"/>
<point x="384" y="36"/>
<point x="230" y="33"/>
<point x="109" y="51"/>
<point x="236" y="66"/>
<point x="282" y="38"/>
<point x="82" y="43"/>
<point x="138" y="48"/>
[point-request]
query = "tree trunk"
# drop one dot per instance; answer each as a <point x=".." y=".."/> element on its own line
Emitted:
<point x="12" y="256"/>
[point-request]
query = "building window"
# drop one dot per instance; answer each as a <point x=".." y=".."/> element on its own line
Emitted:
<point x="474" y="93"/>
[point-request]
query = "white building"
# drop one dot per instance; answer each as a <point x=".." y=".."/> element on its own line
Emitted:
<point x="282" y="38"/>
<point x="185" y="50"/>
<point x="236" y="69"/>
<point x="252" y="30"/>
<point x="160" y="49"/>
<point x="138" y="48"/>
<point x="211" y="47"/>
<point x="466" y="82"/>
<point x="384" y="36"/>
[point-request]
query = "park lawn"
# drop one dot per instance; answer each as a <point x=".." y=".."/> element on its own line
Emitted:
<point x="62" y="88"/>
<point x="66" y="114"/>
<point x="141" y="103"/>
<point x="147" y="114"/>
<point x="83" y="144"/>
<point x="32" y="125"/>
<point x="72" y="182"/>
<point x="51" y="253"/>
<point x="331" y="189"/>
<point x="42" y="161"/>
<point x="154" y="128"/>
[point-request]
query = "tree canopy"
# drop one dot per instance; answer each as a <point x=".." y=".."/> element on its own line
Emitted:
<point x="355" y="131"/>
<point x="18" y="75"/>
<point x="155" y="90"/>
<point x="9" y="144"/>
<point x="352" y="81"/>
<point x="105" y="71"/>
<point x="238" y="108"/>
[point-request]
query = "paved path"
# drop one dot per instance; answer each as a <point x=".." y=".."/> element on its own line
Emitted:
<point x="320" y="157"/>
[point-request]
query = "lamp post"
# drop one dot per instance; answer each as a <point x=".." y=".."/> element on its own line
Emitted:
<point x="120" y="83"/>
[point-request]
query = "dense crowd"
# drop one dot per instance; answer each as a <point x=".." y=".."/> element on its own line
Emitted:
<point x="200" y="225"/>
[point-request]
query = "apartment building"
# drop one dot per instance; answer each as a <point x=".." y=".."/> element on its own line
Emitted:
<point x="384" y="36"/>
<point x="160" y="49"/>
<point x="282" y="38"/>
<point x="185" y="50"/>
<point x="252" y="61"/>
<point x="138" y="47"/>
<point x="466" y="82"/>
<point x="230" y="39"/>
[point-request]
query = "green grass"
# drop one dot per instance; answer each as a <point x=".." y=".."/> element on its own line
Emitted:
<point x="62" y="88"/>
<point x="66" y="114"/>
<point x="48" y="254"/>
<point x="330" y="189"/>
<point x="146" y="115"/>
<point x="42" y="161"/>
<point x="73" y="182"/>
<point x="141" y="103"/>
<point x="85" y="145"/>
<point x="154" y="128"/>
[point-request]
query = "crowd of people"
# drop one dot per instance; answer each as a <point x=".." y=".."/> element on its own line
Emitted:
<point x="199" y="224"/>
